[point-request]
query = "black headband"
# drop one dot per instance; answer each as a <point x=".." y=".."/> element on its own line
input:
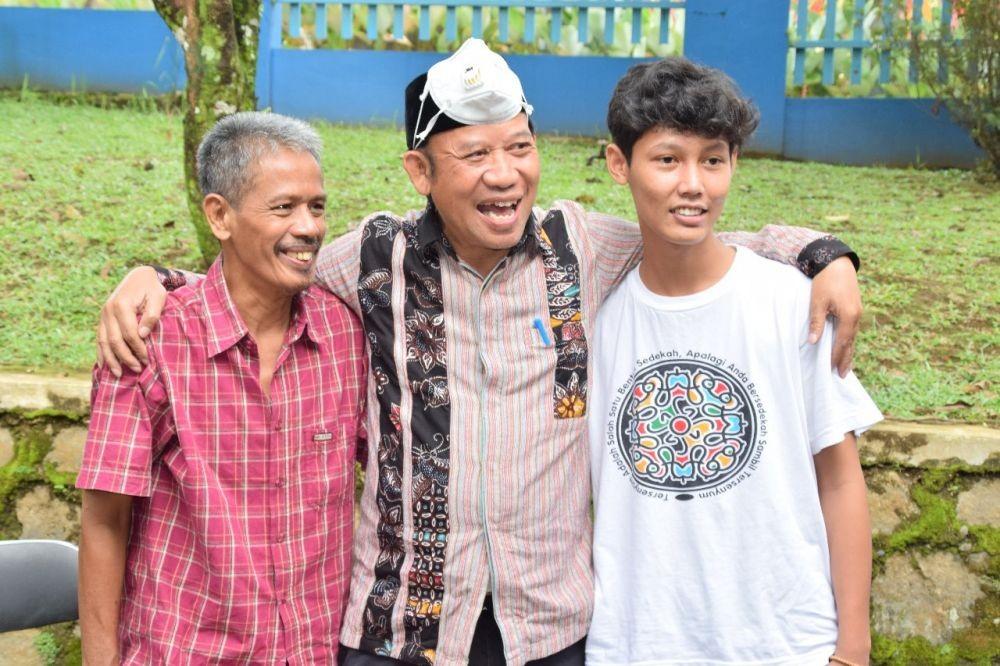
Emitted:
<point x="444" y="122"/>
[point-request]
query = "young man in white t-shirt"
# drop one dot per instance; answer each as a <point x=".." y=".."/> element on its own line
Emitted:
<point x="731" y="524"/>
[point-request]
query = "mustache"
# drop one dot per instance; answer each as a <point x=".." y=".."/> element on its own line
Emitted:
<point x="305" y="244"/>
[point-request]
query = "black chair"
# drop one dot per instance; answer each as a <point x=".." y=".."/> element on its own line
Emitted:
<point x="38" y="581"/>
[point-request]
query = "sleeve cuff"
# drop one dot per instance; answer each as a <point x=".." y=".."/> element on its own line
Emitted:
<point x="171" y="279"/>
<point x="818" y="254"/>
<point x="113" y="482"/>
<point x="858" y="424"/>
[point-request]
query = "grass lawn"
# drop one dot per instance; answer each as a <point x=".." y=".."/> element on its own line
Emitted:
<point x="87" y="193"/>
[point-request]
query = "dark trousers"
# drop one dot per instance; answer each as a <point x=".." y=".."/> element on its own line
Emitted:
<point x="487" y="648"/>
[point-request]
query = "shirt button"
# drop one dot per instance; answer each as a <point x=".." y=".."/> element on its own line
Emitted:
<point x="318" y="506"/>
<point x="280" y="483"/>
<point x="277" y="424"/>
<point x="280" y="539"/>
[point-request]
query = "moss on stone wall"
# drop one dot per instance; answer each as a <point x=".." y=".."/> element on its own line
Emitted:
<point x="938" y="528"/>
<point x="59" y="645"/>
<point x="32" y="434"/>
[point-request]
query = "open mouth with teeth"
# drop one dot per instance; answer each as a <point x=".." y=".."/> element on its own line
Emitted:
<point x="689" y="211"/>
<point x="299" y="258"/>
<point x="503" y="212"/>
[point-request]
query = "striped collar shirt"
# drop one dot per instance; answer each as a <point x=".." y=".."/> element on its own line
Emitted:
<point x="477" y="479"/>
<point x="241" y="528"/>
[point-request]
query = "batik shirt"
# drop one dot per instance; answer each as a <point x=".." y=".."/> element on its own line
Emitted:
<point x="477" y="479"/>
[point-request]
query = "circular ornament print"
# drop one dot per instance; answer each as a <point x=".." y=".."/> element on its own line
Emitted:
<point x="685" y="425"/>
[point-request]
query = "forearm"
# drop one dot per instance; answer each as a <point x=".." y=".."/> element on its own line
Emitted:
<point x="103" y="545"/>
<point x="845" y="512"/>
<point x="808" y="250"/>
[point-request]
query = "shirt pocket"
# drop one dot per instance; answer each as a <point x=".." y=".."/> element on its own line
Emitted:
<point x="329" y="460"/>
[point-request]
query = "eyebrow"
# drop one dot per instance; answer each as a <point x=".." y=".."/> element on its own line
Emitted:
<point x="671" y="145"/>
<point x="278" y="198"/>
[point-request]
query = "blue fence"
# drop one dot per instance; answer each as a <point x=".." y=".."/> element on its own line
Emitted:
<point x="872" y="33"/>
<point x="129" y="51"/>
<point x="485" y="11"/>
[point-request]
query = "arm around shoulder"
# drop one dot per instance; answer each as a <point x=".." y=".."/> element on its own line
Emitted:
<point x="808" y="250"/>
<point x="615" y="246"/>
<point x="339" y="265"/>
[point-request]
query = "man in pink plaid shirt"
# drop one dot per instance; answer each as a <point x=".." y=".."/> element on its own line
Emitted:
<point x="218" y="482"/>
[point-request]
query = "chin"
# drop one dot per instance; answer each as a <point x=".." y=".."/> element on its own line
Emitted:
<point x="686" y="237"/>
<point x="292" y="287"/>
<point x="506" y="240"/>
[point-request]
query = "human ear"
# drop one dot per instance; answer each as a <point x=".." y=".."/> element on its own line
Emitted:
<point x="418" y="168"/>
<point x="218" y="213"/>
<point x="617" y="164"/>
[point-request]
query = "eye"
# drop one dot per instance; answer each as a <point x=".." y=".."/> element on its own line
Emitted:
<point x="476" y="155"/>
<point x="521" y="147"/>
<point x="715" y="161"/>
<point x="318" y="207"/>
<point x="284" y="207"/>
<point x="666" y="159"/>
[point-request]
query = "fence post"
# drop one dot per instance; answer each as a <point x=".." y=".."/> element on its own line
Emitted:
<point x="749" y="41"/>
<point x="269" y="39"/>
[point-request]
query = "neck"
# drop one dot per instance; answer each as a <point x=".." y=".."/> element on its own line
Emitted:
<point x="481" y="259"/>
<point x="264" y="312"/>
<point x="669" y="269"/>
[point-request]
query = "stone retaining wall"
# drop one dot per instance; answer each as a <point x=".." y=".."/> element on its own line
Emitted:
<point x="934" y="492"/>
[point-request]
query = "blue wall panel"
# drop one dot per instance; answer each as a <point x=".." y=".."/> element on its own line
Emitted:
<point x="875" y="131"/>
<point x="748" y="41"/>
<point x="570" y="94"/>
<point x="89" y="49"/>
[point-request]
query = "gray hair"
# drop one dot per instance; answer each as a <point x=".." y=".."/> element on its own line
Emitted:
<point x="235" y="144"/>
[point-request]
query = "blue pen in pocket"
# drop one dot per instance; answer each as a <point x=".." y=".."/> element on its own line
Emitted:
<point x="543" y="332"/>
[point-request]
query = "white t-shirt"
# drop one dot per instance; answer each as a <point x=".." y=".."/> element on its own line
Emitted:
<point x="705" y="413"/>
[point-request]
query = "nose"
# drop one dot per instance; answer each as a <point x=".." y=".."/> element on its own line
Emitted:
<point x="690" y="181"/>
<point x="306" y="223"/>
<point x="500" y="172"/>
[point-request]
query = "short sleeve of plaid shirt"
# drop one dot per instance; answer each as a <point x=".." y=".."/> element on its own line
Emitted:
<point x="129" y="421"/>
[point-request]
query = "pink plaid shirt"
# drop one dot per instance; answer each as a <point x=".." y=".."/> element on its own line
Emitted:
<point x="239" y="549"/>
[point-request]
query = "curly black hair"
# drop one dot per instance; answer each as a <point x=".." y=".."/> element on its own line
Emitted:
<point x="675" y="93"/>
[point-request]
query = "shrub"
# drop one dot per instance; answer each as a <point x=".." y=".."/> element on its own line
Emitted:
<point x="962" y="68"/>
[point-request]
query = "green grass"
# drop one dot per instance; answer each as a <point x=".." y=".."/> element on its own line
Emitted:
<point x="87" y="193"/>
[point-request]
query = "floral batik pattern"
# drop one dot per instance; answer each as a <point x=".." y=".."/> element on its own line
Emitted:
<point x="820" y="253"/>
<point x="374" y="296"/>
<point x="562" y="280"/>
<point x="429" y="424"/>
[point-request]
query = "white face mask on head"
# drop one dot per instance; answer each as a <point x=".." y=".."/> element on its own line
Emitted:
<point x="473" y="86"/>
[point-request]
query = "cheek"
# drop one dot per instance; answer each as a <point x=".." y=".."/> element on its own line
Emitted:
<point x="719" y="185"/>
<point x="530" y="170"/>
<point x="657" y="192"/>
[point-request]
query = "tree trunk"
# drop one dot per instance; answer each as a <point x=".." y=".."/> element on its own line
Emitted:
<point x="219" y="39"/>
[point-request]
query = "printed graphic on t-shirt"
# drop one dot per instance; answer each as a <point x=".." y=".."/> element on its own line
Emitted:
<point x="686" y="426"/>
